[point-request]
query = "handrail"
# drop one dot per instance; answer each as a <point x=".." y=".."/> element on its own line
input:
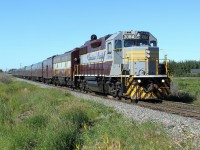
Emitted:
<point x="135" y="58"/>
<point x="156" y="66"/>
<point x="98" y="70"/>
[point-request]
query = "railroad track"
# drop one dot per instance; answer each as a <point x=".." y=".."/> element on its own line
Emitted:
<point x="178" y="108"/>
<point x="182" y="109"/>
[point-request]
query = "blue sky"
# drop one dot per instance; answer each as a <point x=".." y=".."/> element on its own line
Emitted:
<point x="32" y="30"/>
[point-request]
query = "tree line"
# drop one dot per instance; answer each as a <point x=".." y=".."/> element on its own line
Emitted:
<point x="183" y="68"/>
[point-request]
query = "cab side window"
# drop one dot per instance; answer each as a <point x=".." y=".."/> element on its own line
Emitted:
<point x="118" y="44"/>
<point x="109" y="46"/>
<point x="153" y="43"/>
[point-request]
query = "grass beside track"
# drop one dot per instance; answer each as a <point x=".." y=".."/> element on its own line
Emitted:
<point x="190" y="88"/>
<point x="36" y="118"/>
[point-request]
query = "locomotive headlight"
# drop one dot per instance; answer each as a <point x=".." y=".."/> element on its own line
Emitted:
<point x="148" y="53"/>
<point x="139" y="81"/>
<point x="148" y="56"/>
<point x="163" y="80"/>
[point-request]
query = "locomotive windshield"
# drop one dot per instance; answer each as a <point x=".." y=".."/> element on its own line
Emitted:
<point x="136" y="39"/>
<point x="131" y="42"/>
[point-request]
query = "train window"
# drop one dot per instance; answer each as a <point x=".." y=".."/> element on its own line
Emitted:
<point x="118" y="44"/>
<point x="153" y="43"/>
<point x="109" y="48"/>
<point x="141" y="42"/>
<point x="129" y="43"/>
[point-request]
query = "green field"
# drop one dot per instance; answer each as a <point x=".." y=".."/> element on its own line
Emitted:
<point x="36" y="118"/>
<point x="190" y="86"/>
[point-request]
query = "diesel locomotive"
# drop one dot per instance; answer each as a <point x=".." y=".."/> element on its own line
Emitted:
<point x="123" y="64"/>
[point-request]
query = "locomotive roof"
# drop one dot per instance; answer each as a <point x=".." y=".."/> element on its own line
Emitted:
<point x="100" y="39"/>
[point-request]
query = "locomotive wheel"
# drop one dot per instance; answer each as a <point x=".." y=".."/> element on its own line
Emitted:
<point x="114" y="94"/>
<point x="81" y="86"/>
<point x="119" y="97"/>
<point x="117" y="94"/>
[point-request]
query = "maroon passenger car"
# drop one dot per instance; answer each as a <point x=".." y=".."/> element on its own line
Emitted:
<point x="48" y="70"/>
<point x="27" y="72"/>
<point x="37" y="71"/>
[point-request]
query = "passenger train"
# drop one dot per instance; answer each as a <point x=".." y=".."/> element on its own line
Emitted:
<point x="124" y="64"/>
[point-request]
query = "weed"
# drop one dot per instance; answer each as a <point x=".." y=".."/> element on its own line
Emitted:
<point x="76" y="116"/>
<point x="24" y="138"/>
<point x="6" y="79"/>
<point x="36" y="122"/>
<point x="118" y="133"/>
<point x="63" y="139"/>
<point x="5" y="112"/>
<point x="186" y="90"/>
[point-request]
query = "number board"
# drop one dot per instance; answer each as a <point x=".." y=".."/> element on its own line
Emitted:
<point x="143" y="35"/>
<point x="129" y="36"/>
<point x="138" y="35"/>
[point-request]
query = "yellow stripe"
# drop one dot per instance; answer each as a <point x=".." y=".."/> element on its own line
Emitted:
<point x="129" y="89"/>
<point x="135" y="51"/>
<point x="132" y="56"/>
<point x="167" y="88"/>
<point x="131" y="84"/>
<point x="154" y="96"/>
<point x="133" y="92"/>
<point x="143" y="93"/>
<point x="148" y="95"/>
<point x="129" y="55"/>
<point x="129" y="81"/>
